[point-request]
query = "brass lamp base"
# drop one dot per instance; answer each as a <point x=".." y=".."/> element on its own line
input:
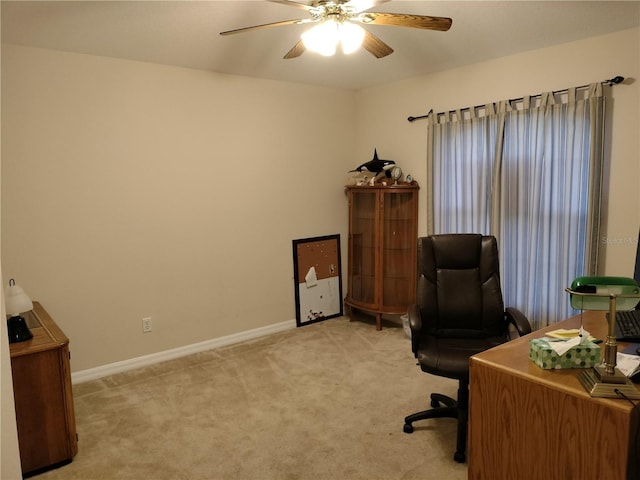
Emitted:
<point x="606" y="380"/>
<point x="600" y="384"/>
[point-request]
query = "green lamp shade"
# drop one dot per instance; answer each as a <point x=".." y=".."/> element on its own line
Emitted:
<point x="593" y="293"/>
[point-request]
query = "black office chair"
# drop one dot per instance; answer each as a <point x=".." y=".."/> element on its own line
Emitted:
<point x="459" y="312"/>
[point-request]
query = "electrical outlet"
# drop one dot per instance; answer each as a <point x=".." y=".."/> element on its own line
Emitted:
<point x="147" y="325"/>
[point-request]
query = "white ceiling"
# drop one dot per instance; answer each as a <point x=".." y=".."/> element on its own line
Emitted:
<point x="186" y="33"/>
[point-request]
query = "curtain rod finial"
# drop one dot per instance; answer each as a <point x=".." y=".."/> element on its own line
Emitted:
<point x="411" y="119"/>
<point x="615" y="80"/>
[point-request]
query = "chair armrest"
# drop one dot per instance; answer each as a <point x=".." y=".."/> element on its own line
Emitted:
<point x="415" y="323"/>
<point x="518" y="320"/>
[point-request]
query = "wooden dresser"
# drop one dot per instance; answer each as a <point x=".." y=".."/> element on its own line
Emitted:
<point x="43" y="398"/>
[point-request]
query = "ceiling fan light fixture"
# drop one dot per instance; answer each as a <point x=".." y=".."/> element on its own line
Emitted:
<point x="324" y="38"/>
<point x="351" y="37"/>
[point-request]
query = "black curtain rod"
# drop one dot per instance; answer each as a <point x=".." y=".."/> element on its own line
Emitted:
<point x="614" y="81"/>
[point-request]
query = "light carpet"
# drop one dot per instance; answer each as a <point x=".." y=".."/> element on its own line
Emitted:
<point x="324" y="401"/>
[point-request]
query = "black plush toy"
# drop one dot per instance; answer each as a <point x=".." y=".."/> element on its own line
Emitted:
<point x="376" y="165"/>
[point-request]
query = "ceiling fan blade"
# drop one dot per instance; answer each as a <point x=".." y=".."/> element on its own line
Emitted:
<point x="375" y="46"/>
<point x="362" y="5"/>
<point x="267" y="25"/>
<point x="405" y="20"/>
<point x="291" y="3"/>
<point x="297" y="50"/>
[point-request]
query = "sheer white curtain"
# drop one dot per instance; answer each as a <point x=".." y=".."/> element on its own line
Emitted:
<point x="462" y="188"/>
<point x="528" y="172"/>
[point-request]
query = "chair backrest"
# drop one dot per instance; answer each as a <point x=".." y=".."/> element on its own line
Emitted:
<point x="458" y="290"/>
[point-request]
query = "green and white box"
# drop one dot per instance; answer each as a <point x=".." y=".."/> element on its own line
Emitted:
<point x="584" y="355"/>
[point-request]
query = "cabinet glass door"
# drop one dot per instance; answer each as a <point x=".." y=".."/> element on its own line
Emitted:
<point x="363" y="252"/>
<point x="398" y="239"/>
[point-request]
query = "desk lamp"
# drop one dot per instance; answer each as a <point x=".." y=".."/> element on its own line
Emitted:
<point x="17" y="302"/>
<point x="606" y="293"/>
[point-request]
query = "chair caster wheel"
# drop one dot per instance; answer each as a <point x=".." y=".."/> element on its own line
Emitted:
<point x="408" y="428"/>
<point x="435" y="404"/>
<point x="459" y="457"/>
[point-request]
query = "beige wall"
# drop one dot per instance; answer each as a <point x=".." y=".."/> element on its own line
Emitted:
<point x="136" y="190"/>
<point x="133" y="190"/>
<point x="9" y="453"/>
<point x="382" y="119"/>
<point x="10" y="468"/>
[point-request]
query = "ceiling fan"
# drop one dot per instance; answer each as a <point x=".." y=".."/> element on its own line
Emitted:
<point x="338" y="22"/>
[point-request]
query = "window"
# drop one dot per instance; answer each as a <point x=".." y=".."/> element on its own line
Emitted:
<point x="528" y="172"/>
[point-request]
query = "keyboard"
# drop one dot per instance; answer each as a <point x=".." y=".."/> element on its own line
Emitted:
<point x="628" y="325"/>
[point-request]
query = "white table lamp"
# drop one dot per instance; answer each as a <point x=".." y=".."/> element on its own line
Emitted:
<point x="17" y="302"/>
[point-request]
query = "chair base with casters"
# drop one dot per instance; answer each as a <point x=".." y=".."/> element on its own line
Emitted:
<point x="443" y="406"/>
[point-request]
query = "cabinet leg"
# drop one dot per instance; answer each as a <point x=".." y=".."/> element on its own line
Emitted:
<point x="348" y="311"/>
<point x="378" y="321"/>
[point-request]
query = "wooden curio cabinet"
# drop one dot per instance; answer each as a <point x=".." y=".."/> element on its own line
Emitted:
<point x="383" y="233"/>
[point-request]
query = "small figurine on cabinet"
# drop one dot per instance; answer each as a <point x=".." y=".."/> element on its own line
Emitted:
<point x="375" y="171"/>
<point x="396" y="174"/>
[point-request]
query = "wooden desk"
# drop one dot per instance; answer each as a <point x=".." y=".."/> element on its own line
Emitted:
<point x="42" y="391"/>
<point x="530" y="423"/>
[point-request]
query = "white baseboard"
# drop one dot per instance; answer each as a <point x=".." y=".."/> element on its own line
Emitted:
<point x="146" y="360"/>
